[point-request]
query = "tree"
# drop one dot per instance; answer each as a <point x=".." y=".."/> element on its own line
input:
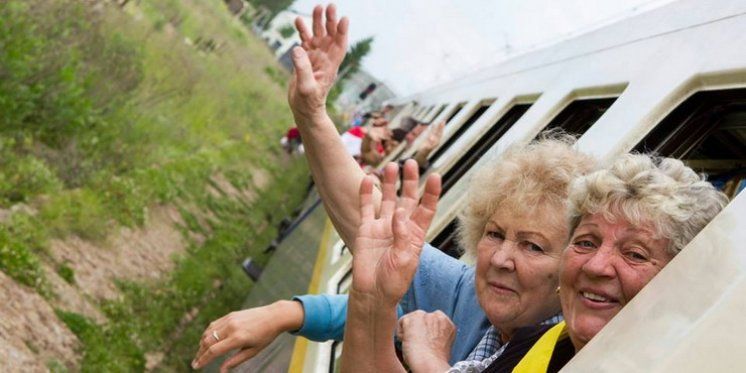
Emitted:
<point x="354" y="58"/>
<point x="350" y="65"/>
<point x="274" y="6"/>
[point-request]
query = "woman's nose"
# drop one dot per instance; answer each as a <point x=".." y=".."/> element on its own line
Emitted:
<point x="504" y="255"/>
<point x="600" y="264"/>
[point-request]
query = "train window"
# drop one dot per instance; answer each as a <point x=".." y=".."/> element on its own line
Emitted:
<point x="457" y="134"/>
<point x="455" y="112"/>
<point x="437" y="113"/>
<point x="343" y="287"/>
<point x="484" y="143"/>
<point x="334" y="365"/>
<point x="446" y="240"/>
<point x="708" y="133"/>
<point x="580" y="115"/>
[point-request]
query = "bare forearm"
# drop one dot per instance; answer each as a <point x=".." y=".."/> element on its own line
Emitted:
<point x="335" y="172"/>
<point x="290" y="315"/>
<point x="369" y="332"/>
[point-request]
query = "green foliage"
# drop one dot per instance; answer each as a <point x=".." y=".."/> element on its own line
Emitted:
<point x="105" y="116"/>
<point x="354" y="57"/>
<point x="287" y="31"/>
<point x="274" y="6"/>
<point x="278" y="76"/>
<point x="67" y="273"/>
<point x="17" y="259"/>
<point x="81" y="212"/>
<point x="107" y="348"/>
<point x="23" y="176"/>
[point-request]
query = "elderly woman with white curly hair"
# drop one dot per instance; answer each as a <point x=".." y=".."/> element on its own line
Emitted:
<point x="628" y="222"/>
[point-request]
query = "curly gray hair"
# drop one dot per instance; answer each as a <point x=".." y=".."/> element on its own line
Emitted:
<point x="522" y="178"/>
<point x="646" y="190"/>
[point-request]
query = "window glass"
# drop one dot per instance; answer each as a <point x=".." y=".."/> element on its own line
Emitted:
<point x="708" y="133"/>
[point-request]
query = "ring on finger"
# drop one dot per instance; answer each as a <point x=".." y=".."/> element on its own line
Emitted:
<point x="215" y="335"/>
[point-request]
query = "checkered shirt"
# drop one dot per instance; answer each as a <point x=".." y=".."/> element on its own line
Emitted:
<point x="489" y="349"/>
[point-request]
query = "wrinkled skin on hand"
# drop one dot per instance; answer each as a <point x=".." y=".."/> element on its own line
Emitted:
<point x="316" y="62"/>
<point x="426" y="340"/>
<point x="387" y="248"/>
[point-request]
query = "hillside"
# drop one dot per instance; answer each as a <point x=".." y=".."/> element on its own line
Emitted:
<point x="139" y="165"/>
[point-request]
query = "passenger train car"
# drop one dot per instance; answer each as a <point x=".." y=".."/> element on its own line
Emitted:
<point x="671" y="80"/>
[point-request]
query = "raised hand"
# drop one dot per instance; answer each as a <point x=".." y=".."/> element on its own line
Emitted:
<point x="249" y="331"/>
<point x="426" y="340"/>
<point x="387" y="248"/>
<point x="317" y="61"/>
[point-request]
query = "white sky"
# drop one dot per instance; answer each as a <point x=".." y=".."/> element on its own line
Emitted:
<point x="422" y="43"/>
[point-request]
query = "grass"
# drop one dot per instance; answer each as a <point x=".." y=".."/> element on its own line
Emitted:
<point x="113" y="111"/>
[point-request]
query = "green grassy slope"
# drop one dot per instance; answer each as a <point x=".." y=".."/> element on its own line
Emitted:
<point x="107" y="112"/>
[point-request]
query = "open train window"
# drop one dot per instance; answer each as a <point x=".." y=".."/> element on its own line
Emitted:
<point x="455" y="112"/>
<point x="457" y="134"/>
<point x="484" y="143"/>
<point x="446" y="240"/>
<point x="424" y="113"/>
<point x="437" y="113"/>
<point x="708" y="133"/>
<point x="343" y="287"/>
<point x="580" y="115"/>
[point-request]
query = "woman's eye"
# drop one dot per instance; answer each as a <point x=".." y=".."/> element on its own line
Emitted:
<point x="495" y="235"/>
<point x="584" y="244"/>
<point x="534" y="247"/>
<point x="636" y="256"/>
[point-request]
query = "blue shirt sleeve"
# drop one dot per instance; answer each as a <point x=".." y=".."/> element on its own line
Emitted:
<point x="324" y="316"/>
<point x="441" y="283"/>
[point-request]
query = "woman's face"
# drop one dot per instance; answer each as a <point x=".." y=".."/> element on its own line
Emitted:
<point x="604" y="267"/>
<point x="517" y="264"/>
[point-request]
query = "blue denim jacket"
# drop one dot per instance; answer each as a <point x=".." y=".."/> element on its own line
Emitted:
<point x="441" y="283"/>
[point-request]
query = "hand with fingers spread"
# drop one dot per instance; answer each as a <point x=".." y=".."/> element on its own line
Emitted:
<point x="316" y="62"/>
<point x="249" y="331"/>
<point x="387" y="248"/>
<point x="387" y="251"/>
<point x="426" y="340"/>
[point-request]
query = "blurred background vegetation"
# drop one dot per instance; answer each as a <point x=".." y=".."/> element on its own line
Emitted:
<point x="108" y="112"/>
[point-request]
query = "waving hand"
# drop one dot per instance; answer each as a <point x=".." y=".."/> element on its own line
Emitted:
<point x="387" y="248"/>
<point x="317" y="61"/>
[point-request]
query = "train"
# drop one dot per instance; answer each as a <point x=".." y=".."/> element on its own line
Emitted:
<point x="672" y="81"/>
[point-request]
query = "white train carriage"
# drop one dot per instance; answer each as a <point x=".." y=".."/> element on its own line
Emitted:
<point x="673" y="81"/>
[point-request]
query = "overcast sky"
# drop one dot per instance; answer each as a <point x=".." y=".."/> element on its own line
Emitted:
<point x="422" y="43"/>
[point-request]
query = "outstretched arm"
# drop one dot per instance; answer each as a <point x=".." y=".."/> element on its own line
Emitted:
<point x="248" y="331"/>
<point x="336" y="174"/>
<point x="385" y="262"/>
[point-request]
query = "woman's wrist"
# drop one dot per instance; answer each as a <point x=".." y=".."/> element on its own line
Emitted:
<point x="290" y="315"/>
<point x="311" y="118"/>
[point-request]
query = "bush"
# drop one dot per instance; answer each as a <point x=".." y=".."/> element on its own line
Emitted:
<point x="18" y="262"/>
<point x="22" y="177"/>
<point x="80" y="211"/>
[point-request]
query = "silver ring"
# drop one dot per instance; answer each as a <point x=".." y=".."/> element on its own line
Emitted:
<point x="215" y="335"/>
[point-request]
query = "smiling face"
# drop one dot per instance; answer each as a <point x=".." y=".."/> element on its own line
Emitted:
<point x="517" y="263"/>
<point x="605" y="265"/>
